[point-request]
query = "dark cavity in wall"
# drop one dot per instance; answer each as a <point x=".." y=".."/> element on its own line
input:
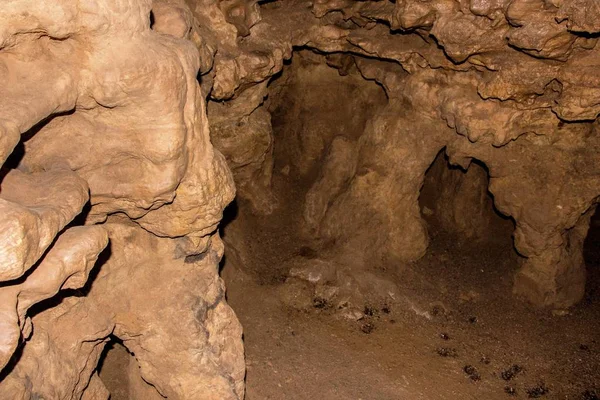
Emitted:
<point x="469" y="238"/>
<point x="120" y="373"/>
<point x="591" y="255"/>
<point x="315" y="99"/>
<point x="113" y="369"/>
<point x="457" y="202"/>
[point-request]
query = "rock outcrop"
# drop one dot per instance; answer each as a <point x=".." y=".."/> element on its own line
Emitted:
<point x="112" y="194"/>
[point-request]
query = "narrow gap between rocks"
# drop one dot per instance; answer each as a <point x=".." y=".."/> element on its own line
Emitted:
<point x="120" y="372"/>
<point x="591" y="255"/>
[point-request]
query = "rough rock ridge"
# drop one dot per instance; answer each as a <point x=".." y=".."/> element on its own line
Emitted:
<point x="111" y="195"/>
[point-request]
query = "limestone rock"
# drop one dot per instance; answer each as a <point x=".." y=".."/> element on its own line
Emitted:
<point x="108" y="115"/>
<point x="113" y="127"/>
<point x="36" y="208"/>
<point x="66" y="266"/>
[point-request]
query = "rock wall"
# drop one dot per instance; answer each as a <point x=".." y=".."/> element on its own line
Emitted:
<point x="111" y="195"/>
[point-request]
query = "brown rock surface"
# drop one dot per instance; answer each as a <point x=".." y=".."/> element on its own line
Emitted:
<point x="508" y="83"/>
<point x="106" y="134"/>
<point x="115" y="147"/>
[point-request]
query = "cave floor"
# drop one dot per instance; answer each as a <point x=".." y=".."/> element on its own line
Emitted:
<point x="457" y="333"/>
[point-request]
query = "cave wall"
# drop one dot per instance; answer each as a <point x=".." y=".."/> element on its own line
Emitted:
<point x="112" y="196"/>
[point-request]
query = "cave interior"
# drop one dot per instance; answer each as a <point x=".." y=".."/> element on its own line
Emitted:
<point x="329" y="199"/>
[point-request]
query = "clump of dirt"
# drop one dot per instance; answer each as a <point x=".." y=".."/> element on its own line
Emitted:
<point x="537" y="391"/>
<point x="511" y="372"/>
<point x="447" y="352"/>
<point x="321" y="303"/>
<point x="367" y="327"/>
<point x="472" y="372"/>
<point x="371" y="311"/>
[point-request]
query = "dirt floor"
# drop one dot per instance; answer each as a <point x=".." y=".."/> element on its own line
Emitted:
<point x="456" y="333"/>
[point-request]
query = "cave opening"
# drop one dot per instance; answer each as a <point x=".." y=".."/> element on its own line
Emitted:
<point x="312" y="128"/>
<point x="461" y="218"/>
<point x="458" y="202"/>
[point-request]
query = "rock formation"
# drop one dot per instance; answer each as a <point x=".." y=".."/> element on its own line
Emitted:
<point x="111" y="161"/>
<point x="508" y="83"/>
<point x="112" y="191"/>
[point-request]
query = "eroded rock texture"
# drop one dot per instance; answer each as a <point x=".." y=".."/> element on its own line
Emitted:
<point x="104" y="137"/>
<point x="510" y="83"/>
<point x="111" y="195"/>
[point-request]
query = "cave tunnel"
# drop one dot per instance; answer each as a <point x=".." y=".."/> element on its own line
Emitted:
<point x="336" y="321"/>
<point x="242" y="199"/>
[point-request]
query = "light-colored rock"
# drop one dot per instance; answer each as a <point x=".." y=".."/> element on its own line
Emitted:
<point x="66" y="266"/>
<point x="111" y="112"/>
<point x="36" y="207"/>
